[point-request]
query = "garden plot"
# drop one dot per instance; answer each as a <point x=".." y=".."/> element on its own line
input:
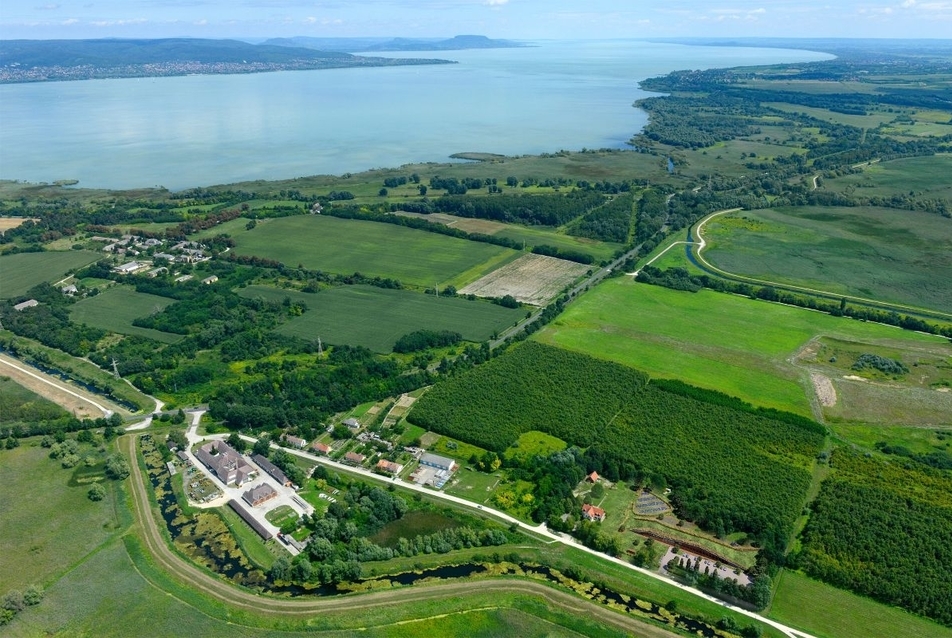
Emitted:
<point x="532" y="279"/>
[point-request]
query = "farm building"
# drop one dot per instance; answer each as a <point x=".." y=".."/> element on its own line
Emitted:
<point x="210" y="280"/>
<point x="29" y="303"/>
<point x="127" y="268"/>
<point x="225" y="462"/>
<point x="353" y="457"/>
<point x="321" y="448"/>
<point x="69" y="290"/>
<point x="251" y="520"/>
<point x="389" y="467"/>
<point x="276" y="473"/>
<point x="260" y="494"/>
<point x="592" y="513"/>
<point x="439" y="462"/>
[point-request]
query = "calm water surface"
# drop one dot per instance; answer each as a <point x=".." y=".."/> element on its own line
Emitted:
<point x="199" y="130"/>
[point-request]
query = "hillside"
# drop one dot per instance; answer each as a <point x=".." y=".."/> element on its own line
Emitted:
<point x="50" y="60"/>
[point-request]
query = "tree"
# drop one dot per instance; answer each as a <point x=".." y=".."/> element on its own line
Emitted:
<point x="235" y="441"/>
<point x="383" y="192"/>
<point x="262" y="446"/>
<point x="117" y="468"/>
<point x="422" y="190"/>
<point x="97" y="492"/>
<point x="13" y="600"/>
<point x="598" y="490"/>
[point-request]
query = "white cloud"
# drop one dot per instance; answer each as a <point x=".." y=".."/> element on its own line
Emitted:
<point x="495" y="3"/>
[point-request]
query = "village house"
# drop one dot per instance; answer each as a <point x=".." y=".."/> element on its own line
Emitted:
<point x="592" y="513"/>
<point x="295" y="441"/>
<point x="321" y="448"/>
<point x="225" y="462"/>
<point x="354" y="458"/>
<point x="210" y="280"/>
<point x="352" y="423"/>
<point x="260" y="494"/>
<point x="592" y="478"/>
<point x="69" y="290"/>
<point x="389" y="467"/>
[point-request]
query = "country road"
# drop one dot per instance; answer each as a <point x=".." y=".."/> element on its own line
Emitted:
<point x="190" y="575"/>
<point x="537" y="530"/>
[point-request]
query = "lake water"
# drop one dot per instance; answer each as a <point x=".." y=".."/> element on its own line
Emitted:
<point x="180" y="132"/>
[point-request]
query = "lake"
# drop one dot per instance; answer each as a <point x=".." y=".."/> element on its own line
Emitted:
<point x="181" y="132"/>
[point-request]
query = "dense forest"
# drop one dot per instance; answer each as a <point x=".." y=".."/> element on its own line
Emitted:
<point x="731" y="467"/>
<point x="884" y="530"/>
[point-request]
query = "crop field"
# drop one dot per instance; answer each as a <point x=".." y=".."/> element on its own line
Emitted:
<point x="25" y="270"/>
<point x="6" y="223"/>
<point x="532" y="279"/>
<point x="722" y="342"/>
<point x="925" y="175"/>
<point x="870" y="120"/>
<point x="115" y="308"/>
<point x="347" y="246"/>
<point x="883" y="254"/>
<point x="530" y="235"/>
<point x="828" y="612"/>
<point x="377" y="317"/>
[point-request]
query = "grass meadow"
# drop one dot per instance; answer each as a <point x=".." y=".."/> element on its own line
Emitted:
<point x="925" y="175"/>
<point x="713" y="340"/>
<point x="377" y="317"/>
<point x="883" y="254"/>
<point x="47" y="526"/>
<point x="115" y="308"/>
<point x="347" y="246"/>
<point x="827" y="612"/>
<point x="25" y="270"/>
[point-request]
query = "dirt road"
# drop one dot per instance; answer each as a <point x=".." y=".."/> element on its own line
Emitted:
<point x="76" y="401"/>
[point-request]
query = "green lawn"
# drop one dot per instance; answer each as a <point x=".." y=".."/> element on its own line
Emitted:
<point x="22" y="271"/>
<point x="828" y="612"/>
<point x="377" y="317"/>
<point x="709" y="339"/>
<point x="372" y="248"/>
<point x="17" y="404"/>
<point x="876" y="253"/>
<point x="115" y="308"/>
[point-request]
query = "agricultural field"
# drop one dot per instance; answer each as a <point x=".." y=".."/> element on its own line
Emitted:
<point x="712" y="340"/>
<point x="115" y="309"/>
<point x="828" y="612"/>
<point x="529" y="235"/>
<point x="6" y="223"/>
<point x="347" y="246"/>
<point x="25" y="270"/>
<point x="874" y="253"/>
<point x="531" y="279"/>
<point x="377" y="317"/>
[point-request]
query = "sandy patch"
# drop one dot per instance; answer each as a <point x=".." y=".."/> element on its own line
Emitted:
<point x="943" y="389"/>
<point x="853" y="377"/>
<point x="531" y="279"/>
<point x="825" y="392"/>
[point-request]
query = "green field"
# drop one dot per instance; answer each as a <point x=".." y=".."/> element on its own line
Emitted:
<point x="47" y="526"/>
<point x="723" y="342"/>
<point x="828" y="612"/>
<point x="377" y="317"/>
<point x="347" y="246"/>
<point x="115" y="308"/>
<point x="22" y="271"/>
<point x="875" y="253"/>
<point x="17" y="404"/>
<point x="924" y="175"/>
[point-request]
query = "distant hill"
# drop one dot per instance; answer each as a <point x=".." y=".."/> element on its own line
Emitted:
<point x="358" y="45"/>
<point x="44" y="60"/>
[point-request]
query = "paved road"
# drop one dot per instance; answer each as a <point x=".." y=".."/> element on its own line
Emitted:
<point x="223" y="591"/>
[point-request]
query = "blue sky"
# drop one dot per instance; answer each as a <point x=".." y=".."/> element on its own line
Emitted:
<point x="517" y="19"/>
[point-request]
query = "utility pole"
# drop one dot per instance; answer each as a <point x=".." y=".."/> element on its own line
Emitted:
<point x="115" y="370"/>
<point x="320" y="349"/>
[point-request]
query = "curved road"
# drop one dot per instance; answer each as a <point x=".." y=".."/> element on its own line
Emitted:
<point x="192" y="576"/>
<point x="538" y="530"/>
<point x="700" y="244"/>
